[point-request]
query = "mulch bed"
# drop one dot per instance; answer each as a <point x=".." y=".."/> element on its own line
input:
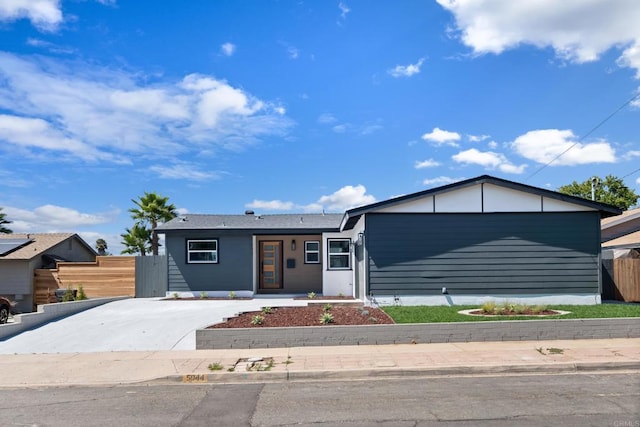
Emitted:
<point x="309" y="316"/>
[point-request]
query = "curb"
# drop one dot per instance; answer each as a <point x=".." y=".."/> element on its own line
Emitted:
<point x="361" y="374"/>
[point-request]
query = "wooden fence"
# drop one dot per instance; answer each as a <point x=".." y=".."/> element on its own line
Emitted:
<point x="626" y="279"/>
<point x="108" y="276"/>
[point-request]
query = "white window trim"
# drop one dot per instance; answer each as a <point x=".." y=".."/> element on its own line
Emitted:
<point x="307" y="251"/>
<point x="342" y="254"/>
<point x="189" y="251"/>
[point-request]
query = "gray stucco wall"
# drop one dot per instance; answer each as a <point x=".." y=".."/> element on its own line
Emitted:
<point x="483" y="254"/>
<point x="233" y="271"/>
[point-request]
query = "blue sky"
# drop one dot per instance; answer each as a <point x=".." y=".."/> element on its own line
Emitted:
<point x="300" y="106"/>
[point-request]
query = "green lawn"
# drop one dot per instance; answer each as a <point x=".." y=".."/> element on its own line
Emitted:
<point x="433" y="314"/>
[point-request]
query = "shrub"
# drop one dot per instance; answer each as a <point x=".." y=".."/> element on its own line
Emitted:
<point x="176" y="295"/>
<point x="232" y="295"/>
<point x="489" y="307"/>
<point x="537" y="309"/>
<point x="327" y="308"/>
<point x="81" y="295"/>
<point x="326" y="318"/>
<point x="203" y="294"/>
<point x="311" y="295"/>
<point x="68" y="295"/>
<point x="267" y="310"/>
<point x="257" y="320"/>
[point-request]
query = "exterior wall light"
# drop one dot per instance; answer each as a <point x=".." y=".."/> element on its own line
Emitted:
<point x="293" y="245"/>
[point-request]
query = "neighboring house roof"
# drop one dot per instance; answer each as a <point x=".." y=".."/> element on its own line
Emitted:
<point x="36" y="244"/>
<point x="623" y="230"/>
<point x="351" y="216"/>
<point x="299" y="222"/>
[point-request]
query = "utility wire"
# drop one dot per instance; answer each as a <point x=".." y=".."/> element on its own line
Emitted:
<point x="633" y="98"/>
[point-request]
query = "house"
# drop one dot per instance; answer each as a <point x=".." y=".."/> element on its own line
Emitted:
<point x="622" y="232"/>
<point x="22" y="254"/>
<point x="478" y="239"/>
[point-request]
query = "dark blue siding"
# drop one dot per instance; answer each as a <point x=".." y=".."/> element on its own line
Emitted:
<point x="476" y="254"/>
<point x="233" y="271"/>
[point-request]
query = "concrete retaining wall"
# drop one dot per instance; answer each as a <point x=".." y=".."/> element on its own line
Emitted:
<point x="49" y="312"/>
<point x="514" y="330"/>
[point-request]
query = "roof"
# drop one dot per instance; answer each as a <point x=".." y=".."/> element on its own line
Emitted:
<point x="298" y="222"/>
<point x="626" y="216"/>
<point x="631" y="240"/>
<point x="623" y="230"/>
<point x="351" y="216"/>
<point x="37" y="245"/>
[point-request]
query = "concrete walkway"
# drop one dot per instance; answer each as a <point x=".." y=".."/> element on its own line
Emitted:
<point x="321" y="363"/>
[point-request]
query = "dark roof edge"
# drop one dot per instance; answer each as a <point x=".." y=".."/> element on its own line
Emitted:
<point x="605" y="209"/>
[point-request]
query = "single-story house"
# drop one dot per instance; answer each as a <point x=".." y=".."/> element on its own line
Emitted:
<point x="22" y="254"/>
<point x="479" y="239"/>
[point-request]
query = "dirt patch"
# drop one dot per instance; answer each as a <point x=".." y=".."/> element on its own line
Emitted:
<point x="308" y="316"/>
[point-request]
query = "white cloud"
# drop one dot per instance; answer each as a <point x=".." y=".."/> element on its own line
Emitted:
<point x="442" y="137"/>
<point x="326" y="118"/>
<point x="492" y="144"/>
<point x="441" y="180"/>
<point x="293" y="52"/>
<point x="629" y="155"/>
<point x="182" y="171"/>
<point x="406" y="70"/>
<point x="228" y="49"/>
<point x="52" y="218"/>
<point x="272" y="205"/>
<point x="477" y="138"/>
<point x="344" y="10"/>
<point x="45" y="15"/>
<point x="488" y="159"/>
<point x="545" y="145"/>
<point x="638" y="181"/>
<point x="113" y="115"/>
<point x="430" y="163"/>
<point x="577" y="30"/>
<point x="341" y="128"/>
<point x="346" y="198"/>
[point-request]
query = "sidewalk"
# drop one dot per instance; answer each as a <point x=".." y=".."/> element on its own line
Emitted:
<point x="320" y="363"/>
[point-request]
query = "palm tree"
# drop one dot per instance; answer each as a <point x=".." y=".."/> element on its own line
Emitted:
<point x="151" y="210"/>
<point x="101" y="247"/>
<point x="4" y="221"/>
<point x="136" y="240"/>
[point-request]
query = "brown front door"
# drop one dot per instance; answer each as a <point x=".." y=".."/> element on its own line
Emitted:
<point x="270" y="265"/>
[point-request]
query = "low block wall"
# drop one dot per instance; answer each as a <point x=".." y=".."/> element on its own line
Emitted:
<point x="513" y="330"/>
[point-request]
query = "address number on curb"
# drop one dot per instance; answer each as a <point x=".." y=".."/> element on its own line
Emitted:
<point x="193" y="378"/>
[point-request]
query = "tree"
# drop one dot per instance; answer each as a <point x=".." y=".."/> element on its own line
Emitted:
<point x="609" y="190"/>
<point x="101" y="247"/>
<point x="136" y="240"/>
<point x="4" y="221"/>
<point x="152" y="209"/>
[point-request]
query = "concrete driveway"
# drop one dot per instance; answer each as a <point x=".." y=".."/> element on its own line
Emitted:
<point x="141" y="324"/>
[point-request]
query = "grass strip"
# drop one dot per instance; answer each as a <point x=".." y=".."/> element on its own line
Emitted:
<point x="435" y="314"/>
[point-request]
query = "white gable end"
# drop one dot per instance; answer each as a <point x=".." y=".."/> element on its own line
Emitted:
<point x="482" y="198"/>
<point x="421" y="205"/>
<point x="467" y="199"/>
<point x="501" y="199"/>
<point x="553" y="205"/>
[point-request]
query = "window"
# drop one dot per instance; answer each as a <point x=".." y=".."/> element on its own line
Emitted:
<point x="339" y="257"/>
<point x="312" y="252"/>
<point x="202" y="251"/>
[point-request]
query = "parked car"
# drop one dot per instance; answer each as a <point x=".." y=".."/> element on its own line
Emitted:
<point x="6" y="308"/>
